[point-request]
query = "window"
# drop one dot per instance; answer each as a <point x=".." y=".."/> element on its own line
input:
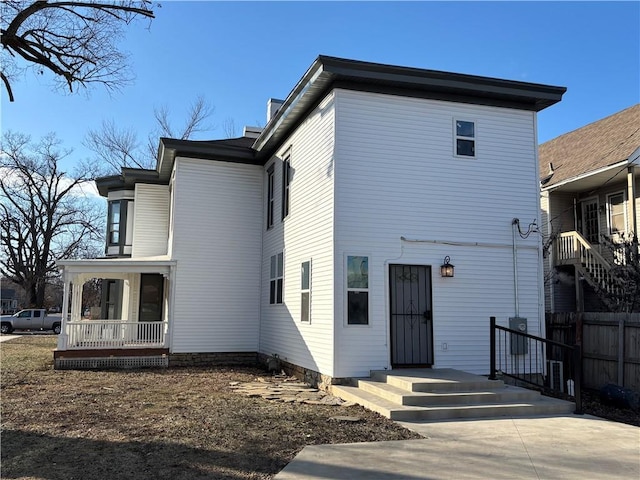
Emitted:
<point x="305" y="292"/>
<point x="270" y="185"/>
<point x="616" y="213"/>
<point x="113" y="227"/>
<point x="36" y="313"/>
<point x="465" y="135"/>
<point x="286" y="180"/>
<point x="276" y="279"/>
<point x="357" y="290"/>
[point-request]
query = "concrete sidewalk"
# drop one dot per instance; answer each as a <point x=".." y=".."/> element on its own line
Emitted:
<point x="567" y="447"/>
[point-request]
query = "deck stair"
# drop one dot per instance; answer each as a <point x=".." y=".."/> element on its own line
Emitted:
<point x="444" y="394"/>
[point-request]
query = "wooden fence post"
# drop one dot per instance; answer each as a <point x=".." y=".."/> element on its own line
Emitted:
<point x="621" y="351"/>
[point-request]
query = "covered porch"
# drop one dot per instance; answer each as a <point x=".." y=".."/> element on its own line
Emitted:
<point x="132" y="325"/>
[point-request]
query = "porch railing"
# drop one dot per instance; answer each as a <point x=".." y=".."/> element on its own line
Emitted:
<point x="573" y="248"/>
<point x="100" y="334"/>
<point x="550" y="367"/>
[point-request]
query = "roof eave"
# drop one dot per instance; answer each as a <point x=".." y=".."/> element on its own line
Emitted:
<point x="325" y="71"/>
<point x="577" y="178"/>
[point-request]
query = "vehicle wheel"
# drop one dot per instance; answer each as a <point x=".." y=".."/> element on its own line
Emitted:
<point x="56" y="328"/>
<point x="6" y="328"/>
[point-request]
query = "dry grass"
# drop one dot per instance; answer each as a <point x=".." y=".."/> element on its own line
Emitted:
<point x="155" y="424"/>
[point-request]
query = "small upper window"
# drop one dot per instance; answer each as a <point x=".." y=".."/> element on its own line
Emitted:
<point x="465" y="138"/>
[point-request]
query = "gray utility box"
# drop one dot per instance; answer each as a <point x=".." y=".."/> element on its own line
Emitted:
<point x="519" y="345"/>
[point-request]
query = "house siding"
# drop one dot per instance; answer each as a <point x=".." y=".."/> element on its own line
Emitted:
<point x="306" y="234"/>
<point x="559" y="284"/>
<point x="217" y="245"/>
<point x="396" y="175"/>
<point x="151" y="228"/>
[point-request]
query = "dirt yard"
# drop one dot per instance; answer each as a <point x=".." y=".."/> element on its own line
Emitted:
<point x="156" y="424"/>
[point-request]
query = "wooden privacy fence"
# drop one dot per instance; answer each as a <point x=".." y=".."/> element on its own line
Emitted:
<point x="610" y="345"/>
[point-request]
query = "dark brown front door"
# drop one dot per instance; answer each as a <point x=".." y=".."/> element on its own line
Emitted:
<point x="411" y="318"/>
<point x="151" y="297"/>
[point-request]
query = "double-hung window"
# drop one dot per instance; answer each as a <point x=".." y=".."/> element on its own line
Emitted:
<point x="286" y="181"/>
<point x="357" y="290"/>
<point x="617" y="220"/>
<point x="113" y="227"/>
<point x="270" y="203"/>
<point x="305" y="292"/>
<point x="276" y="278"/>
<point x="465" y="138"/>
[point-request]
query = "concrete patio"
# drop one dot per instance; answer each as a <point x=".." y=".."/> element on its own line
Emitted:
<point x="567" y="447"/>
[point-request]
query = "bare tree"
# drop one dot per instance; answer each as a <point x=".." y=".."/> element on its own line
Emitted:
<point x="120" y="147"/>
<point x="624" y="295"/>
<point x="229" y="127"/>
<point x="74" y="40"/>
<point x="45" y="213"/>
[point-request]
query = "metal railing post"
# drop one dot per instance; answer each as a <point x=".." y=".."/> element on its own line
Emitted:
<point x="492" y="348"/>
<point x="577" y="361"/>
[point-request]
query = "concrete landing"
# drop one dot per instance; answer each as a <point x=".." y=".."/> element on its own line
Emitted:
<point x="567" y="447"/>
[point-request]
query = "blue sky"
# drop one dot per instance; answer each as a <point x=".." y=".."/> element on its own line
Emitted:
<point x="239" y="54"/>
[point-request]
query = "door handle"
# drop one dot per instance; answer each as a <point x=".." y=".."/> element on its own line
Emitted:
<point x="427" y="314"/>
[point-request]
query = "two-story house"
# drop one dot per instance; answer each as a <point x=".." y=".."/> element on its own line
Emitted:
<point x="590" y="203"/>
<point x="372" y="224"/>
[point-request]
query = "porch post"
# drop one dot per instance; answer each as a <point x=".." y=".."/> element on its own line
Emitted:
<point x="76" y="299"/>
<point x="62" y="338"/>
<point x="631" y="201"/>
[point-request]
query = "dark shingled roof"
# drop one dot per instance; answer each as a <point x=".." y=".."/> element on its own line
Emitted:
<point x="592" y="147"/>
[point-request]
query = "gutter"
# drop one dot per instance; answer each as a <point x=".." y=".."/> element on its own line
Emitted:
<point x="621" y="164"/>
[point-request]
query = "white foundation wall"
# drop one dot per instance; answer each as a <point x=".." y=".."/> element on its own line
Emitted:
<point x="305" y="235"/>
<point x="396" y="175"/>
<point x="217" y="240"/>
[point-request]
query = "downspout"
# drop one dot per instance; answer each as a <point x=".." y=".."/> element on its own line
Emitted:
<point x="514" y="224"/>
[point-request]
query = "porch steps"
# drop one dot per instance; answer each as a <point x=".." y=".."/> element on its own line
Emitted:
<point x="443" y="394"/>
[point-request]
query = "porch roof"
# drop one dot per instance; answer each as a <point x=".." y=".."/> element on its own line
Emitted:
<point x="588" y="157"/>
<point x="106" y="267"/>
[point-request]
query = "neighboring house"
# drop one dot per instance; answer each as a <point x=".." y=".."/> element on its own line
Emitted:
<point x="589" y="195"/>
<point x="321" y="237"/>
<point x="8" y="301"/>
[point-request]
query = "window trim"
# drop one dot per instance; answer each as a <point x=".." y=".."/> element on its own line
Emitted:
<point x="347" y="289"/>
<point x="305" y="290"/>
<point x="624" y="212"/>
<point x="276" y="278"/>
<point x="111" y="223"/>
<point x="286" y="185"/>
<point x="457" y="137"/>
<point x="271" y="183"/>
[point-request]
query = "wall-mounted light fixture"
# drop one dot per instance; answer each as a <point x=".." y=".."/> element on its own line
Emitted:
<point x="446" y="269"/>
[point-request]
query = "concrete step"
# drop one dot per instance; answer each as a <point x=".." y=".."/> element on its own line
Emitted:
<point x="390" y="409"/>
<point x="432" y="380"/>
<point x="504" y="394"/>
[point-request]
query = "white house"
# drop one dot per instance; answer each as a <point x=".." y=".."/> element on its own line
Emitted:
<point x="321" y="237"/>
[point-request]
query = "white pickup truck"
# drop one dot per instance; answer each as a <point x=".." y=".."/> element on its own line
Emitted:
<point x="30" y="319"/>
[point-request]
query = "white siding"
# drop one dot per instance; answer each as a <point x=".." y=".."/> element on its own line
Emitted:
<point x="306" y="234"/>
<point x="217" y="245"/>
<point x="151" y="227"/>
<point x="396" y="175"/>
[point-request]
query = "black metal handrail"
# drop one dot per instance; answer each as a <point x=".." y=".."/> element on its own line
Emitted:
<point x="524" y="357"/>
